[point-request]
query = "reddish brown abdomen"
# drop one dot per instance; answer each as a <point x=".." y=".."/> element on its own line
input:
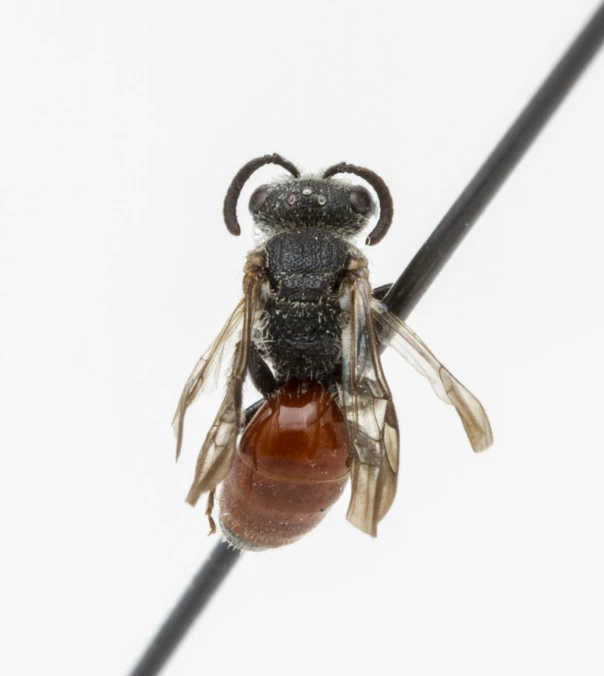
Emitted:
<point x="290" y="468"/>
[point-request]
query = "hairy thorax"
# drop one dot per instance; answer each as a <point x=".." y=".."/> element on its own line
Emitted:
<point x="300" y="327"/>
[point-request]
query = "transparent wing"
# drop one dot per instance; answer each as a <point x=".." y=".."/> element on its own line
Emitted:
<point x="399" y="336"/>
<point x="371" y="418"/>
<point x="205" y="374"/>
<point x="216" y="455"/>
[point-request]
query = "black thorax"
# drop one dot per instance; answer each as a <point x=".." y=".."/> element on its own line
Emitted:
<point x="301" y="331"/>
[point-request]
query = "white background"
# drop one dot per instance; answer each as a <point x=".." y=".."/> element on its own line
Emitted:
<point x="121" y="125"/>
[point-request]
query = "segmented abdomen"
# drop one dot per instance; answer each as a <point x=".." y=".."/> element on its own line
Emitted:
<point x="290" y="468"/>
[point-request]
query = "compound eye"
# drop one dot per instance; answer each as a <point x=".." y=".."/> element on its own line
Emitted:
<point x="258" y="198"/>
<point x="361" y="200"/>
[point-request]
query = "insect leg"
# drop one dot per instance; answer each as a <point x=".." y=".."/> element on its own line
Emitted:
<point x="261" y="374"/>
<point x="381" y="291"/>
<point x="209" y="510"/>
<point x="251" y="411"/>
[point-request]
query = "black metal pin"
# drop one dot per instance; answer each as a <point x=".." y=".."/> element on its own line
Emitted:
<point x="409" y="288"/>
<point x="191" y="603"/>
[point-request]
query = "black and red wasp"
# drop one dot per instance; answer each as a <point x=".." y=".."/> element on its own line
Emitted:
<point x="309" y="332"/>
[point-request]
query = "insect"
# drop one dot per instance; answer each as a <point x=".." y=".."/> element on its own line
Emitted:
<point x="309" y="332"/>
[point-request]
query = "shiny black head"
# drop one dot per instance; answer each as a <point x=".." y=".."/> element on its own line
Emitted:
<point x="311" y="202"/>
<point x="327" y="203"/>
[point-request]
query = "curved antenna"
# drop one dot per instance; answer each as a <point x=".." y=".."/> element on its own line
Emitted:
<point x="232" y="196"/>
<point x="386" y="206"/>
